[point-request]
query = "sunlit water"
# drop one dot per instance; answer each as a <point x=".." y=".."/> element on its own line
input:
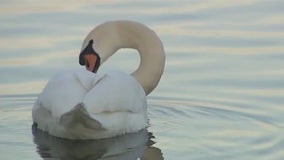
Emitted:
<point x="221" y="96"/>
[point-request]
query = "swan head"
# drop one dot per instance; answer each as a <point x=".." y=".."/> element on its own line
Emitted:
<point x="90" y="58"/>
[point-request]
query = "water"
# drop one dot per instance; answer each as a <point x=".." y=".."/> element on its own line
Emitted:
<point x="221" y="96"/>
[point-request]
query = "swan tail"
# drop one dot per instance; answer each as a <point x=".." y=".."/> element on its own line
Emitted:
<point x="79" y="117"/>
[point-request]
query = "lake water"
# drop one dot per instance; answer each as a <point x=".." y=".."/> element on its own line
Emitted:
<point x="221" y="96"/>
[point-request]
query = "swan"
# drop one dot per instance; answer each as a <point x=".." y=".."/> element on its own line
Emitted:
<point x="83" y="104"/>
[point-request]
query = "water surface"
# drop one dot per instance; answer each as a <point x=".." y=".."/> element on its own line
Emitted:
<point x="221" y="96"/>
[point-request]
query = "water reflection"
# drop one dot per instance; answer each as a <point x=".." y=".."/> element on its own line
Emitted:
<point x="128" y="147"/>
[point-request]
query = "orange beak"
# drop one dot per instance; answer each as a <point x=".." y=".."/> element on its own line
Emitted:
<point x="90" y="61"/>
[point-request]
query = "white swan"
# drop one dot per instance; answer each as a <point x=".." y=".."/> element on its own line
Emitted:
<point x="83" y="105"/>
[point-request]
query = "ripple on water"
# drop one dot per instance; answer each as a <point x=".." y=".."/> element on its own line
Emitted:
<point x="212" y="130"/>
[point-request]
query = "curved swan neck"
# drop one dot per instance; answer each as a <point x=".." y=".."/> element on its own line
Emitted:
<point x="111" y="36"/>
<point x="152" y="62"/>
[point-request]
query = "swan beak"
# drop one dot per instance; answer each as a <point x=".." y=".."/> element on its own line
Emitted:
<point x="89" y="58"/>
<point x="90" y="62"/>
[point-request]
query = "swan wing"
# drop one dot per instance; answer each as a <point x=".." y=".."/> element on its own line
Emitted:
<point x="116" y="92"/>
<point x="65" y="90"/>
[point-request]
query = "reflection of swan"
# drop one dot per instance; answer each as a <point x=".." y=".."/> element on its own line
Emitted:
<point x="127" y="147"/>
<point x="84" y="105"/>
